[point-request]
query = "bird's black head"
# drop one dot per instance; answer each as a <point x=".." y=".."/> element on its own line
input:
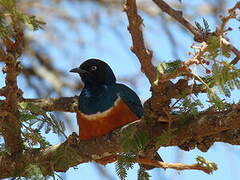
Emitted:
<point x="95" y="73"/>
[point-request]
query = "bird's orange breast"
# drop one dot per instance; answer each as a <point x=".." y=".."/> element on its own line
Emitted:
<point x="102" y="123"/>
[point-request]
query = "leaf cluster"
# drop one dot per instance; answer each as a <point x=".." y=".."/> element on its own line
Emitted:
<point x="12" y="20"/>
<point x="124" y="163"/>
<point x="143" y="174"/>
<point x="225" y="76"/>
<point x="9" y="9"/>
<point x="34" y="121"/>
<point x="167" y="68"/>
<point x="187" y="106"/>
<point x="133" y="139"/>
<point x="205" y="28"/>
<point x="216" y="48"/>
<point x="165" y="137"/>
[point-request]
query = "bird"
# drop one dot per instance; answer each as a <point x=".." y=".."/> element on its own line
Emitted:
<point x="104" y="105"/>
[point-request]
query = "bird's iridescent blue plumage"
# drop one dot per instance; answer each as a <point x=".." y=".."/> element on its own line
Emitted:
<point x="105" y="97"/>
<point x="99" y="101"/>
<point x="130" y="98"/>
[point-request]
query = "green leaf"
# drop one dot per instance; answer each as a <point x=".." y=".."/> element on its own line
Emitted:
<point x="213" y="47"/>
<point x="34" y="172"/>
<point x="143" y="174"/>
<point x="31" y="107"/>
<point x="124" y="163"/>
<point x="204" y="163"/>
<point x="31" y="134"/>
<point x="187" y="107"/>
<point x="31" y="22"/>
<point x="205" y="28"/>
<point x="18" y="18"/>
<point x="23" y="105"/>
<point x="33" y="137"/>
<point x="45" y="119"/>
<point x="206" y="25"/>
<point x="134" y="140"/>
<point x="9" y="5"/>
<point x="165" y="138"/>
<point x="225" y="76"/>
<point x="26" y="116"/>
<point x="199" y="26"/>
<point x="162" y="67"/>
<point x="217" y="102"/>
<point x="216" y="48"/>
<point x="237" y="83"/>
<point x="169" y="67"/>
<point x="226" y="51"/>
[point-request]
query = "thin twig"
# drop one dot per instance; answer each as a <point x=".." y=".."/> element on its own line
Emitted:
<point x="231" y="15"/>
<point x="177" y="15"/>
<point x="158" y="164"/>
<point x="177" y="166"/>
<point x="200" y="36"/>
<point x="184" y="69"/>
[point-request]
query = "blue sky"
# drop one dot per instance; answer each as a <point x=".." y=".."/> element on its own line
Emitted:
<point x="104" y="44"/>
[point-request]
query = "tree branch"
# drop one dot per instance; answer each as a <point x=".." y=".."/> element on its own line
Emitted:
<point x="188" y="134"/>
<point x="63" y="104"/>
<point x="177" y="166"/>
<point x="10" y="124"/>
<point x="200" y="36"/>
<point x="178" y="16"/>
<point x="135" y="28"/>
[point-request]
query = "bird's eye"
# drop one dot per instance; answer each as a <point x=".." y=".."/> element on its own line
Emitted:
<point x="93" y="68"/>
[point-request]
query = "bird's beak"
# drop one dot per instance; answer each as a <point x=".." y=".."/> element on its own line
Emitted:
<point x="78" y="70"/>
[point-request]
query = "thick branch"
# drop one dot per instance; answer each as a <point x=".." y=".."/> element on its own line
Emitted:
<point x="10" y="124"/>
<point x="192" y="133"/>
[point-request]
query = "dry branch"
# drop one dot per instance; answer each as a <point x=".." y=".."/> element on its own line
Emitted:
<point x="176" y="166"/>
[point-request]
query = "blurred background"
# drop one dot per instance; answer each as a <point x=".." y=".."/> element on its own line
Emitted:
<point x="77" y="30"/>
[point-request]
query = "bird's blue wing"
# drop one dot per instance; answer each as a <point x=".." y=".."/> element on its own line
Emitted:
<point x="130" y="98"/>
